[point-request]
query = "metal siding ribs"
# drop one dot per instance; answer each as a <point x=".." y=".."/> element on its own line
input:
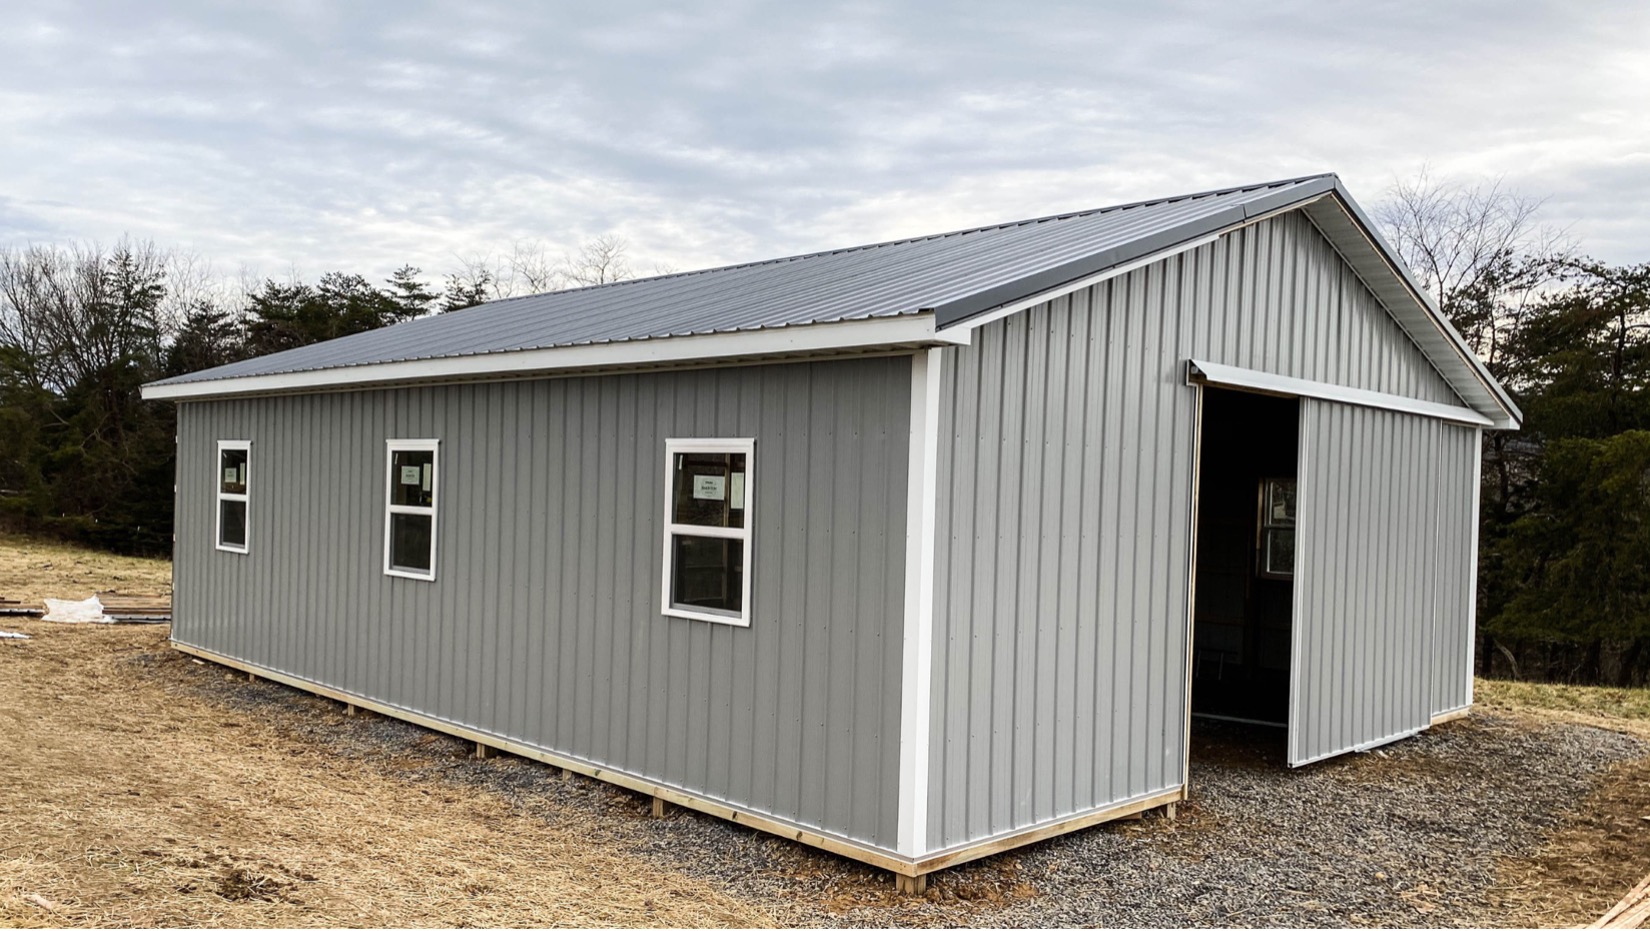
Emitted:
<point x="542" y="625"/>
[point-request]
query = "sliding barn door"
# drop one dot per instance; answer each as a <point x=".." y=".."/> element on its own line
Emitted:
<point x="1368" y="565"/>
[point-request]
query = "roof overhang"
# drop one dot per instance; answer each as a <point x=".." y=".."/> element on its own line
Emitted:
<point x="878" y="334"/>
<point x="1332" y="210"/>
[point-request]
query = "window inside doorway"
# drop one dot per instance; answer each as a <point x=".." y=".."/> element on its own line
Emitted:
<point x="1277" y="528"/>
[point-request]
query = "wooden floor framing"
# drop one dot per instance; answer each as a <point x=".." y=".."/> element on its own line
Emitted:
<point x="910" y="874"/>
<point x="1631" y="912"/>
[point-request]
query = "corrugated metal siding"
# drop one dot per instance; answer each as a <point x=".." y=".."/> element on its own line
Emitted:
<point x="1064" y="516"/>
<point x="1455" y="588"/>
<point x="543" y="625"/>
<point x="1371" y="564"/>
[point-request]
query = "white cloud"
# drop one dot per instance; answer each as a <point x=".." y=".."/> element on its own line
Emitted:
<point x="364" y="136"/>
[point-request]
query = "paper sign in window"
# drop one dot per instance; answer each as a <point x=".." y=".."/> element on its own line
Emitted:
<point x="736" y="491"/>
<point x="710" y="487"/>
<point x="232" y="476"/>
<point x="412" y="475"/>
<point x="429" y="467"/>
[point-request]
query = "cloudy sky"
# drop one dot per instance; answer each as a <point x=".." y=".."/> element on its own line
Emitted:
<point x="313" y="136"/>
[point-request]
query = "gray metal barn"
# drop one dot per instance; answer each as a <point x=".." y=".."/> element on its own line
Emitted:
<point x="914" y="551"/>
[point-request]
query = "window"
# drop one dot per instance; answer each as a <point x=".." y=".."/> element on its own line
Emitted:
<point x="234" y="460"/>
<point x="708" y="496"/>
<point x="1277" y="528"/>
<point x="409" y="518"/>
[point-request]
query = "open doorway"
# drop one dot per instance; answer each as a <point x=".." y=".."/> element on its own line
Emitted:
<point x="1241" y="614"/>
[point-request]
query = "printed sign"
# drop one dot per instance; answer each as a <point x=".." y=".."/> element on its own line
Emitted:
<point x="411" y="475"/>
<point x="428" y="468"/>
<point x="710" y="487"/>
<point x="232" y="476"/>
<point x="736" y="491"/>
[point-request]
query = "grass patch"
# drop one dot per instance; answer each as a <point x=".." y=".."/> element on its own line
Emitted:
<point x="32" y="569"/>
<point x="1616" y="704"/>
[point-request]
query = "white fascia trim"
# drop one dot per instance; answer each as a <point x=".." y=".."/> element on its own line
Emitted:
<point x="916" y="680"/>
<point x="874" y="333"/>
<point x="1199" y="372"/>
<point x="962" y="327"/>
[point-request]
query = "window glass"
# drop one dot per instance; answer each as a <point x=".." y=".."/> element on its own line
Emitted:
<point x="231" y="522"/>
<point x="1277" y="528"/>
<point x="1279" y="558"/>
<point x="709" y="489"/>
<point x="709" y="573"/>
<point x="412" y="477"/>
<point x="707" y="545"/>
<point x="1280" y="503"/>
<point x="232" y="471"/>
<point x="410" y="541"/>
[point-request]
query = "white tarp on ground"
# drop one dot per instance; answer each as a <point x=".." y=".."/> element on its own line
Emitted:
<point x="12" y="635"/>
<point x="89" y="611"/>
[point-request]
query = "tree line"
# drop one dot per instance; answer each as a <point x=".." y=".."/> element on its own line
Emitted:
<point x="1564" y="533"/>
<point x="83" y="327"/>
<point x="1564" y="587"/>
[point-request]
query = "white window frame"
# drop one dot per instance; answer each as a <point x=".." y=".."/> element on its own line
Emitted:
<point x="221" y="496"/>
<point x="391" y="447"/>
<point x="673" y="447"/>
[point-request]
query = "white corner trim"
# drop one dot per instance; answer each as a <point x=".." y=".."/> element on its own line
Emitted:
<point x="799" y="339"/>
<point x="1043" y="297"/>
<point x="1199" y="372"/>
<point x="916" y="692"/>
<point x="1477" y="457"/>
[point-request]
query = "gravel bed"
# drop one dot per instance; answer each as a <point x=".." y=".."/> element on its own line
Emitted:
<point x="1405" y="835"/>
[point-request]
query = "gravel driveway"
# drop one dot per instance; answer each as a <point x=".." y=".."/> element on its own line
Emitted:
<point x="1405" y="835"/>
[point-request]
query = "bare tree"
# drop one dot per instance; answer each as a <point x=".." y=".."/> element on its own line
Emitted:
<point x="1480" y="250"/>
<point x="531" y="269"/>
<point x="600" y="261"/>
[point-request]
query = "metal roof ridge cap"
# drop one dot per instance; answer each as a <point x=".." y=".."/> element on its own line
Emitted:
<point x="961" y="309"/>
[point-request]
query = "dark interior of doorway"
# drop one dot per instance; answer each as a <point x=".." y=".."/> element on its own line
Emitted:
<point x="1241" y="632"/>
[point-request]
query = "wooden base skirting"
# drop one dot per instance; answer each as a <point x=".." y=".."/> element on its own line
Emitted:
<point x="904" y="867"/>
<point x="1448" y="716"/>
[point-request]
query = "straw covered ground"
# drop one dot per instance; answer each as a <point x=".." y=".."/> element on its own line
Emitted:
<point x="140" y="787"/>
<point x="129" y="795"/>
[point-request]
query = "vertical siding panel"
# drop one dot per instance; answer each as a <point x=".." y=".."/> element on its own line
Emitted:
<point x="1111" y="560"/>
<point x="544" y="620"/>
<point x="1026" y="441"/>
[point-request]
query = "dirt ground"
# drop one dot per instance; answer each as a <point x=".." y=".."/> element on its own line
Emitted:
<point x="140" y="787"/>
<point x="129" y="797"/>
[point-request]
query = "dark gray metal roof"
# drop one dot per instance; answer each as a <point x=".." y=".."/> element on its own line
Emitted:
<point x="956" y="275"/>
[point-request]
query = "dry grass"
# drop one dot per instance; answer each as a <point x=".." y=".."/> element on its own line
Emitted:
<point x="129" y="797"/>
<point x="32" y="570"/>
<point x="1625" y="710"/>
<point x="131" y="793"/>
<point x="1601" y="850"/>
<point x="1589" y="863"/>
